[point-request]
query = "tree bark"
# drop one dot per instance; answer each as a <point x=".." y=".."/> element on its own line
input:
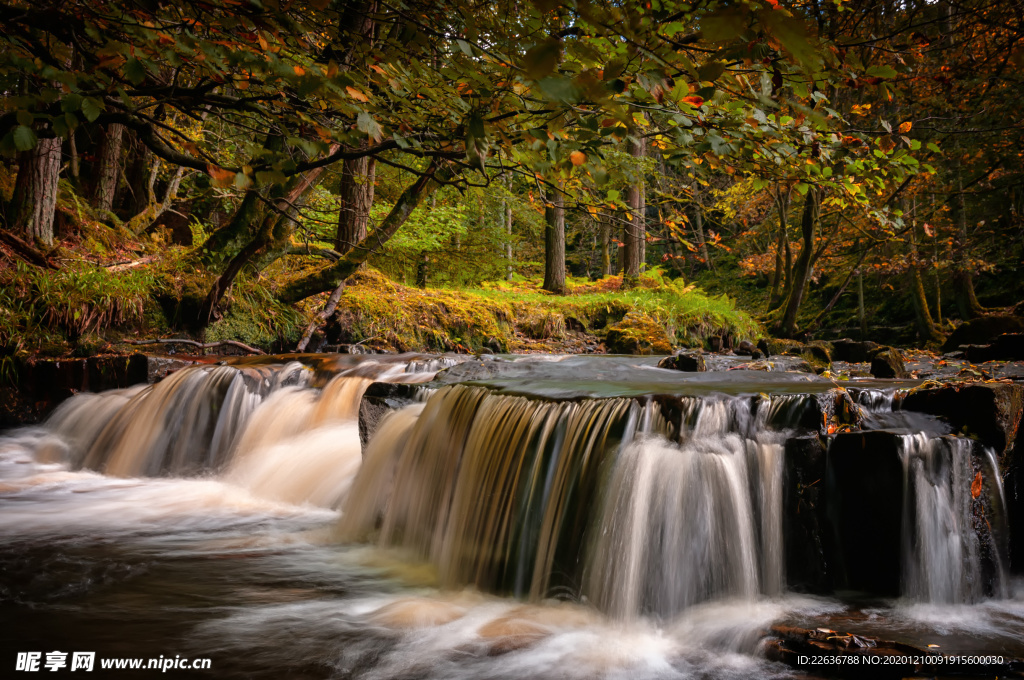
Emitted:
<point x="606" y="245"/>
<point x="108" y="168"/>
<point x="35" y="191"/>
<point x="355" y="190"/>
<point x="698" y="229"/>
<point x="927" y="331"/>
<point x="331" y="277"/>
<point x="273" y="235"/>
<point x="636" y="231"/>
<point x="554" y="244"/>
<point x="804" y="263"/>
<point x="507" y="203"/>
<point x="783" y="252"/>
<point x="963" y="280"/>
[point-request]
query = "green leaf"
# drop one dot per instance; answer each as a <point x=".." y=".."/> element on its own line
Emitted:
<point x="465" y="47"/>
<point x="71" y="102"/>
<point x="24" y="138"/>
<point x="802" y="188"/>
<point x="791" y="32"/>
<point x="92" y="108"/>
<point x="933" y="147"/>
<point x="723" y="25"/>
<point x="135" y="71"/>
<point x="711" y="70"/>
<point x="541" y="59"/>
<point x="881" y="72"/>
<point x="366" y="123"/>
<point x="25" y="118"/>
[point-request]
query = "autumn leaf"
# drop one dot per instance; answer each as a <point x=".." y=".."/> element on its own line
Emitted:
<point x="976" y="485"/>
<point x="356" y="94"/>
<point x="578" y="157"/>
<point x="694" y="100"/>
<point x="905" y="127"/>
<point x="221" y="177"/>
<point x="299" y="71"/>
<point x="929" y="230"/>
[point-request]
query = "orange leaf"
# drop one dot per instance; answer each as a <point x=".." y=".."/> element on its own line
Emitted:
<point x="221" y="177"/>
<point x="905" y="127"/>
<point x="578" y="157"/>
<point x="356" y="94"/>
<point x="299" y="71"/>
<point x="976" y="485"/>
<point x="693" y="100"/>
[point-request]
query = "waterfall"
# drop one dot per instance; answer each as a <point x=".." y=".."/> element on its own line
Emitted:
<point x="940" y="547"/>
<point x="584" y="498"/>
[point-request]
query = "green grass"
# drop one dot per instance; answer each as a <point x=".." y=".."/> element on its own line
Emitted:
<point x="519" y="316"/>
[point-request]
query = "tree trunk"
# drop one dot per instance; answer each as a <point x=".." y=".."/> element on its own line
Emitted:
<point x="698" y="229"/>
<point x="35" y="191"/>
<point x="507" y="203"/>
<point x="141" y="178"/>
<point x="636" y="231"/>
<point x="804" y="263"/>
<point x="783" y="253"/>
<point x="554" y="245"/>
<point x="927" y="331"/>
<point x="963" y="280"/>
<point x="356" y="190"/>
<point x="329" y="278"/>
<point x="271" y="239"/>
<point x="108" y="168"/>
<point x="606" y="245"/>
<point x="861" y="317"/>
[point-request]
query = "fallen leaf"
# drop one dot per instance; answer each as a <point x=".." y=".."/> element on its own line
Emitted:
<point x="976" y="485"/>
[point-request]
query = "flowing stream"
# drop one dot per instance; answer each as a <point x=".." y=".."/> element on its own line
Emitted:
<point x="553" y="517"/>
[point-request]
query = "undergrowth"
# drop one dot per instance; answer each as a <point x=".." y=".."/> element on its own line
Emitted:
<point x="520" y="316"/>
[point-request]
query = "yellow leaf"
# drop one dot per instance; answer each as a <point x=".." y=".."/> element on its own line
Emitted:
<point x="356" y="94"/>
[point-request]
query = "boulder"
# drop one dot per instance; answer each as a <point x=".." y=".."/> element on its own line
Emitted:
<point x="803" y="515"/>
<point x="637" y="333"/>
<point x="990" y="412"/>
<point x="748" y="349"/>
<point x="381" y="398"/>
<point x="853" y="351"/>
<point x="685" y="361"/>
<point x="983" y="330"/>
<point x="887" y="362"/>
<point x="864" y="488"/>
<point x="1005" y="347"/>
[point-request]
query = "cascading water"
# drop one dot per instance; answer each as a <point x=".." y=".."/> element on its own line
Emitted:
<point x="585" y="498"/>
<point x="940" y="559"/>
<point x="660" y="517"/>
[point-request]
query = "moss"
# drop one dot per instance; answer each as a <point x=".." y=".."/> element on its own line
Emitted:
<point x="637" y="333"/>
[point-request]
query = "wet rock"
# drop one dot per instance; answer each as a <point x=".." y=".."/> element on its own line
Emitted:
<point x="887" y="362"/>
<point x="983" y="330"/>
<point x="1006" y="347"/>
<point x="803" y="648"/>
<point x="864" y="486"/>
<point x="715" y="343"/>
<point x="748" y="349"/>
<point x="853" y="351"/>
<point x="991" y="412"/>
<point x="378" y="400"/>
<point x="762" y="345"/>
<point x="803" y="515"/>
<point x="42" y="384"/>
<point x="685" y="361"/>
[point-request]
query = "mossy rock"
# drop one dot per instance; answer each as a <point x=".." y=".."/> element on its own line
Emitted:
<point x="542" y="325"/>
<point x="887" y="362"/>
<point x="637" y="334"/>
<point x="818" y="353"/>
<point x="983" y="330"/>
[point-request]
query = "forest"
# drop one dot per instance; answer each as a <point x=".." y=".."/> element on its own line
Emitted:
<point x="471" y="176"/>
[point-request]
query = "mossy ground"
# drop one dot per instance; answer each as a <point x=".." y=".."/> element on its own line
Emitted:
<point x="519" y="316"/>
